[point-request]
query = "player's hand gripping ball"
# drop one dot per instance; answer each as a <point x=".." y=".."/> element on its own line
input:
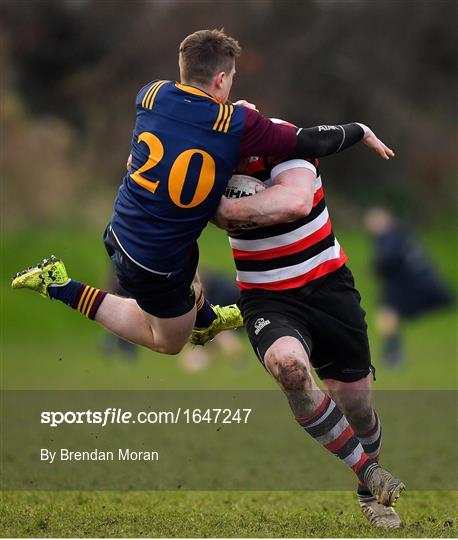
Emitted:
<point x="243" y="186"/>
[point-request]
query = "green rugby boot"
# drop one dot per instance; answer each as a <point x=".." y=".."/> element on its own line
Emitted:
<point x="38" y="278"/>
<point x="227" y="318"/>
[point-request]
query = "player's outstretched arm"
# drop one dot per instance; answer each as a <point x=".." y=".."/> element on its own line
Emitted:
<point x="289" y="198"/>
<point x="326" y="140"/>
<point x="263" y="137"/>
<point x="375" y="144"/>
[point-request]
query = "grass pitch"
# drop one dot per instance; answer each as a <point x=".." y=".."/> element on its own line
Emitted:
<point x="51" y="347"/>
<point x="203" y="514"/>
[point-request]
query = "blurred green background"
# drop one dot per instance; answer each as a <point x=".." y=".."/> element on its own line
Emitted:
<point x="70" y="73"/>
<point x="52" y="347"/>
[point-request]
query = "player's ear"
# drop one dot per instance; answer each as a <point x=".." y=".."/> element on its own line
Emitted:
<point x="219" y="79"/>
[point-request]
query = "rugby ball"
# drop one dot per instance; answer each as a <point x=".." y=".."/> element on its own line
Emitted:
<point x="243" y="186"/>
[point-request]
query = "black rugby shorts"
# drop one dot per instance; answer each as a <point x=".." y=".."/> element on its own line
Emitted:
<point x="164" y="296"/>
<point x="325" y="316"/>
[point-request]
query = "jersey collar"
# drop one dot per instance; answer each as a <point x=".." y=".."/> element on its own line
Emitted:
<point x="194" y="90"/>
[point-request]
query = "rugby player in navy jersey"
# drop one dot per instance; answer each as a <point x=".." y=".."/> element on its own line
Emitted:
<point x="301" y="309"/>
<point x="186" y="143"/>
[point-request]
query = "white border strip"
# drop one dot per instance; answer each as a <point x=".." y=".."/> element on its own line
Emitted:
<point x="279" y="274"/>
<point x="282" y="239"/>
<point x="292" y="164"/>
<point x="136" y="262"/>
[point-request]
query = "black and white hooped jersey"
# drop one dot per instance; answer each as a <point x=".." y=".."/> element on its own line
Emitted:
<point x="289" y="255"/>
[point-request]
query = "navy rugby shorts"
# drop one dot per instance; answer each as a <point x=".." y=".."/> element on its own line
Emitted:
<point x="164" y="296"/>
<point x="325" y="316"/>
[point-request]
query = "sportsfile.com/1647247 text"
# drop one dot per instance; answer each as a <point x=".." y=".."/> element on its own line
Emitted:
<point x="113" y="415"/>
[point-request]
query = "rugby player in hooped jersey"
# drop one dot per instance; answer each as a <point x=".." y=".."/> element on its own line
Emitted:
<point x="186" y="143"/>
<point x="301" y="309"/>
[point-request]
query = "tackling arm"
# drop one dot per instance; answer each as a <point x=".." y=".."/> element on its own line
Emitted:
<point x="328" y="140"/>
<point x="289" y="198"/>
<point x="261" y="137"/>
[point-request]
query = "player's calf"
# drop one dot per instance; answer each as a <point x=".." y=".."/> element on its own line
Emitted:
<point x="322" y="419"/>
<point x="355" y="401"/>
<point x="122" y="316"/>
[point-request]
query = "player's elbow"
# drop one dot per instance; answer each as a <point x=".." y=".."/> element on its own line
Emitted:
<point x="299" y="208"/>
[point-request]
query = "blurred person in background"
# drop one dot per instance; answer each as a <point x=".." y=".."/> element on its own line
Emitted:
<point x="410" y="284"/>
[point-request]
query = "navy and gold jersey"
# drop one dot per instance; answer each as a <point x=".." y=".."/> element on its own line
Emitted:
<point x="185" y="147"/>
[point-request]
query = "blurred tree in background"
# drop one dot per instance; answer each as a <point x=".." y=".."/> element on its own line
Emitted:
<point x="71" y="70"/>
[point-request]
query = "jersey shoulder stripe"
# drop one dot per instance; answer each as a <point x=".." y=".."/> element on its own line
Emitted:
<point x="224" y="118"/>
<point x="149" y="89"/>
<point x="151" y="93"/>
<point x="218" y="118"/>
<point x="227" y="122"/>
<point x="154" y="94"/>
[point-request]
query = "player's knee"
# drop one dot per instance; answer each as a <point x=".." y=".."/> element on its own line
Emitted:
<point x="167" y="348"/>
<point x="292" y="373"/>
<point x="288" y="363"/>
<point x="362" y="418"/>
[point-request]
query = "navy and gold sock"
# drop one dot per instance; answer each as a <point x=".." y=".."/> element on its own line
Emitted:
<point x="205" y="314"/>
<point x="84" y="298"/>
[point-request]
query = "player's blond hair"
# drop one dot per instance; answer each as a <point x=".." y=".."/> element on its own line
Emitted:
<point x="205" y="53"/>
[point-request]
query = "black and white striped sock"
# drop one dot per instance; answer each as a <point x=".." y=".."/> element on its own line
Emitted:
<point x="371" y="442"/>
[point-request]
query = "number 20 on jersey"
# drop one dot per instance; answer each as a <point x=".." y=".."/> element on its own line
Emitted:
<point x="178" y="172"/>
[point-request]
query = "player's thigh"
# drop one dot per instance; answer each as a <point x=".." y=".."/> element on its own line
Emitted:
<point x="171" y="314"/>
<point x="172" y="333"/>
<point x="162" y="296"/>
<point x="275" y="334"/>
<point x="339" y="330"/>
